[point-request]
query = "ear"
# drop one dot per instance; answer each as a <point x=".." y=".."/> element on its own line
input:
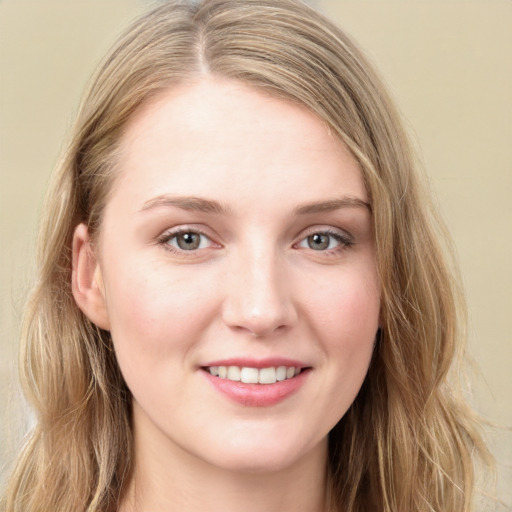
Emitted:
<point x="87" y="281"/>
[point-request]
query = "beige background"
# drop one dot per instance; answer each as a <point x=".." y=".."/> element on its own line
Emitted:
<point x="447" y="62"/>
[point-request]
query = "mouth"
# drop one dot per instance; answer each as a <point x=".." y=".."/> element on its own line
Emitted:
<point x="251" y="375"/>
<point x="255" y="382"/>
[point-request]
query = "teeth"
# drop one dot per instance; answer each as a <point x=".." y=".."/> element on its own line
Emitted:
<point x="281" y="373"/>
<point x="267" y="375"/>
<point x="233" y="373"/>
<point x="254" y="375"/>
<point x="249" y="375"/>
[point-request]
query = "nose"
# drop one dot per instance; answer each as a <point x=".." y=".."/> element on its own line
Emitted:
<point x="258" y="299"/>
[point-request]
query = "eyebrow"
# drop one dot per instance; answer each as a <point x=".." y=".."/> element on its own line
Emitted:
<point x="199" y="204"/>
<point x="187" y="203"/>
<point x="333" y="204"/>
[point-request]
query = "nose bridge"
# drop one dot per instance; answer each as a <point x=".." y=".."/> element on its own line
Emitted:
<point x="258" y="299"/>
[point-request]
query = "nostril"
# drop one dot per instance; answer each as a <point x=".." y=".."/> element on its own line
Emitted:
<point x="260" y="330"/>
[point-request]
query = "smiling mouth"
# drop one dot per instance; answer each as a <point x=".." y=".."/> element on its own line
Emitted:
<point x="248" y="375"/>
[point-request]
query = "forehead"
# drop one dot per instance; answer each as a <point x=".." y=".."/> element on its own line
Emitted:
<point x="223" y="137"/>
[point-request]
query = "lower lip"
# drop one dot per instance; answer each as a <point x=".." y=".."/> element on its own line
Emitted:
<point x="258" y="395"/>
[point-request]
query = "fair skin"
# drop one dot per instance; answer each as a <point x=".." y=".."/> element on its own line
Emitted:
<point x="237" y="234"/>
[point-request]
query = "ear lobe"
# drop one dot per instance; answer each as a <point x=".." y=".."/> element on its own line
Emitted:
<point x="86" y="281"/>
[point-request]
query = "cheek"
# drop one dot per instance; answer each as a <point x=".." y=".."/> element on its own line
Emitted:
<point x="156" y="321"/>
<point x="345" y="309"/>
<point x="342" y="314"/>
<point x="155" y="315"/>
<point x="351" y="337"/>
<point x="345" y="316"/>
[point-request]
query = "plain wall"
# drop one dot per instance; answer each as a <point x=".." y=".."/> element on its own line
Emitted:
<point x="449" y="65"/>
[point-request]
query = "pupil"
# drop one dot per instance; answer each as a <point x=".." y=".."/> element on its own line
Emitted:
<point x="318" y="241"/>
<point x="188" y="241"/>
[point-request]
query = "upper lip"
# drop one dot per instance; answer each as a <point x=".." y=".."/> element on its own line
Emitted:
<point x="245" y="362"/>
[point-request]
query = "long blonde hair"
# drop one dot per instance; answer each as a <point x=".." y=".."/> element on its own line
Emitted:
<point x="408" y="442"/>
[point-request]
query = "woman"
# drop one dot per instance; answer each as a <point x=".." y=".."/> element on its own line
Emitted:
<point x="242" y="300"/>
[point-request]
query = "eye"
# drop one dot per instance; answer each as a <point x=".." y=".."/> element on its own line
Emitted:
<point x="325" y="241"/>
<point x="186" y="240"/>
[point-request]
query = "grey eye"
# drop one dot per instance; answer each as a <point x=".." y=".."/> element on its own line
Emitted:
<point x="318" y="241"/>
<point x="189" y="241"/>
<point x="321" y="242"/>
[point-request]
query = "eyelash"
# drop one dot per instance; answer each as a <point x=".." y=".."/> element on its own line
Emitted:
<point x="344" y="241"/>
<point x="165" y="239"/>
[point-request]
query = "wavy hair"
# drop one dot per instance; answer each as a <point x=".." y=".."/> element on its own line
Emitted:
<point x="408" y="443"/>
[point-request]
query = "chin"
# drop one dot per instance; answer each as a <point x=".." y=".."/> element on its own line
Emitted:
<point x="265" y="457"/>
<point x="259" y="465"/>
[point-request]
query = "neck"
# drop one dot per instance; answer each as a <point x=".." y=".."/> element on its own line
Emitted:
<point x="174" y="480"/>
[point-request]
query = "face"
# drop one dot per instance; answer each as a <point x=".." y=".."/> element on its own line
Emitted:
<point x="237" y="268"/>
